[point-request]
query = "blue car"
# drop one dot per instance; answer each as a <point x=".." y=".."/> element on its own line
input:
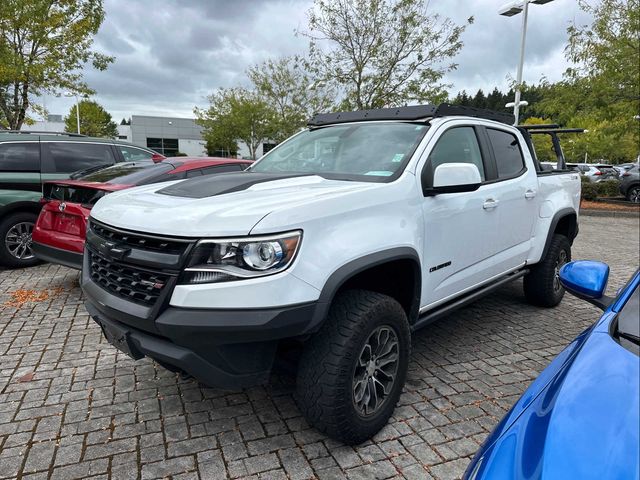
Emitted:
<point x="581" y="417"/>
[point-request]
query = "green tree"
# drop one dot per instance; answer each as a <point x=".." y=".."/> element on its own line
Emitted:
<point x="382" y="53"/>
<point x="95" y="121"/>
<point x="44" y="45"/>
<point x="601" y="90"/>
<point x="233" y="115"/>
<point x="287" y="86"/>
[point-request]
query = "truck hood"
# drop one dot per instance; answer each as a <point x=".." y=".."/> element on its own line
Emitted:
<point x="216" y="205"/>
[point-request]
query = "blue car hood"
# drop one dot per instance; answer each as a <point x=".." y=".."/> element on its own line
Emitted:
<point x="579" y="419"/>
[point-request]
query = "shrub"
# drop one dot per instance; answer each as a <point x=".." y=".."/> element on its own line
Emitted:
<point x="589" y="189"/>
<point x="608" y="188"/>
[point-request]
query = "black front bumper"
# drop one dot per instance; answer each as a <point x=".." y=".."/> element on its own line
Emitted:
<point x="57" y="255"/>
<point x="221" y="348"/>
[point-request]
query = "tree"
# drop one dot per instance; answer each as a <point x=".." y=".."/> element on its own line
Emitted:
<point x="601" y="90"/>
<point x="287" y="86"/>
<point x="382" y="53"/>
<point x="95" y="121"/>
<point x="236" y="114"/>
<point x="44" y="44"/>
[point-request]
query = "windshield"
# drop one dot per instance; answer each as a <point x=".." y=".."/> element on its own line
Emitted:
<point x="370" y="152"/>
<point x="128" y="173"/>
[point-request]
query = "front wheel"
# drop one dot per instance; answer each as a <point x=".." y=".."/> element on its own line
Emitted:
<point x="542" y="285"/>
<point x="352" y="371"/>
<point x="15" y="240"/>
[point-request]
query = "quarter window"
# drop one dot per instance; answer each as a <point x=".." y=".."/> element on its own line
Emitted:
<point x="20" y="157"/>
<point x="67" y="157"/>
<point x="506" y="150"/>
<point x="456" y="145"/>
<point x="131" y="154"/>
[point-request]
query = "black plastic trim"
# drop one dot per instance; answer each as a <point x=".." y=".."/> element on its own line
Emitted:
<point x="57" y="255"/>
<point x="349" y="270"/>
<point x="560" y="214"/>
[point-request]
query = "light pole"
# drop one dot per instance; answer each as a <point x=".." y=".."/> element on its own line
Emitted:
<point x="509" y="10"/>
<point x="70" y="94"/>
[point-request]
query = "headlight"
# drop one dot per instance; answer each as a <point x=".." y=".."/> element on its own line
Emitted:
<point x="230" y="259"/>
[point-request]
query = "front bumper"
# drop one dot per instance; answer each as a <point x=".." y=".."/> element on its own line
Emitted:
<point x="57" y="255"/>
<point x="221" y="348"/>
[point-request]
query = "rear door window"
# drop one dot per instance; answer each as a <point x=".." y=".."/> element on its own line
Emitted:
<point x="67" y="157"/>
<point x="506" y="150"/>
<point x="20" y="157"/>
<point x="132" y="154"/>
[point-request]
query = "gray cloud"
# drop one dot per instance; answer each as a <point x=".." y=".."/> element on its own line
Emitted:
<point x="171" y="54"/>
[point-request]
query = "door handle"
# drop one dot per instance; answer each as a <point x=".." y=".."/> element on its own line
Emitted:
<point x="490" y="203"/>
<point x="530" y="194"/>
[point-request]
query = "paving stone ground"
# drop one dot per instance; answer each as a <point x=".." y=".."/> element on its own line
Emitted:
<point x="71" y="406"/>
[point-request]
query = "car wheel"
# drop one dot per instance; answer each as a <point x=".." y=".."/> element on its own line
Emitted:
<point x="15" y="240"/>
<point x="352" y="371"/>
<point x="542" y="285"/>
<point x="633" y="194"/>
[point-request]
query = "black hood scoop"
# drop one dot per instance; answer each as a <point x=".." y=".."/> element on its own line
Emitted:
<point x="212" y="185"/>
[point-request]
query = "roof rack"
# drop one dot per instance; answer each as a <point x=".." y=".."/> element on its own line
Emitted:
<point x="550" y="131"/>
<point x="410" y="113"/>
<point x="542" y="126"/>
<point x="42" y="132"/>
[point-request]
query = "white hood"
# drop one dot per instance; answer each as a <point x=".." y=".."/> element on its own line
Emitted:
<point x="143" y="209"/>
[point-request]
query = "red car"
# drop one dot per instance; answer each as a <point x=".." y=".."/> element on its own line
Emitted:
<point x="58" y="236"/>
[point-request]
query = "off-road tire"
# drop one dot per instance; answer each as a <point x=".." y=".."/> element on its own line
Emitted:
<point x="325" y="383"/>
<point x="6" y="258"/>
<point x="541" y="284"/>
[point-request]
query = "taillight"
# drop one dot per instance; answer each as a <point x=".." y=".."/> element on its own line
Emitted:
<point x="626" y="174"/>
<point x="598" y="172"/>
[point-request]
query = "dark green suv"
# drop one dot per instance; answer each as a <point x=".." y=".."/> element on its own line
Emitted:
<point x="27" y="159"/>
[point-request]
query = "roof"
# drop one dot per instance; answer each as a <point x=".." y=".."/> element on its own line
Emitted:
<point x="30" y="135"/>
<point x="409" y="113"/>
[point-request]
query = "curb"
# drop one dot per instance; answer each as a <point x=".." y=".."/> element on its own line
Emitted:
<point x="608" y="213"/>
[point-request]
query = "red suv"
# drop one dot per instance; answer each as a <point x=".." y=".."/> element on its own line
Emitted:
<point x="59" y="233"/>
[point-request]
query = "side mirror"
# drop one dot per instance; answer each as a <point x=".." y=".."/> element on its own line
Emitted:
<point x="587" y="279"/>
<point x="454" y="178"/>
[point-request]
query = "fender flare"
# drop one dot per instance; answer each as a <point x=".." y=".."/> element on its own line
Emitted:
<point x="347" y="271"/>
<point x="559" y="215"/>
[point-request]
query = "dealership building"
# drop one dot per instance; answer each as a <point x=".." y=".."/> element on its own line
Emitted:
<point x="166" y="135"/>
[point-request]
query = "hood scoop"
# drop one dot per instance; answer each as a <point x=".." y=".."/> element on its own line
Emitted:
<point x="212" y="185"/>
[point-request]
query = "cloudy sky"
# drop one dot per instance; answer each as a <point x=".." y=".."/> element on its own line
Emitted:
<point x="170" y="54"/>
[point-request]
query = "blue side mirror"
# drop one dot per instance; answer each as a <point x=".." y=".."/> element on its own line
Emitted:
<point x="587" y="279"/>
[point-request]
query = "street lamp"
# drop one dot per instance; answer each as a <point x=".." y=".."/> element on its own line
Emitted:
<point x="509" y="10"/>
<point x="70" y="94"/>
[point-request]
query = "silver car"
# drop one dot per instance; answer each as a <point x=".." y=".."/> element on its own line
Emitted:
<point x="630" y="184"/>
<point x="596" y="172"/>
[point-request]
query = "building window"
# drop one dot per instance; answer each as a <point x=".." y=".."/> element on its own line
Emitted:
<point x="268" y="146"/>
<point x="166" y="146"/>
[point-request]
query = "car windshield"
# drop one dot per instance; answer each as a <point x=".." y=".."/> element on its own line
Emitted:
<point x="370" y="152"/>
<point x="127" y="173"/>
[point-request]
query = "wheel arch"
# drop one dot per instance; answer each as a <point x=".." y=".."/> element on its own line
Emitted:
<point x="17" y="207"/>
<point x="565" y="222"/>
<point x="367" y="271"/>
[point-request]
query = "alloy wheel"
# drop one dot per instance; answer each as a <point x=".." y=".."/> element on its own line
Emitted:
<point x="560" y="261"/>
<point x="18" y="240"/>
<point x="376" y="370"/>
<point x="634" y="195"/>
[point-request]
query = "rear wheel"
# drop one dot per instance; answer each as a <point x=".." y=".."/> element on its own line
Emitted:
<point x="15" y="240"/>
<point x="542" y="285"/>
<point x="633" y="194"/>
<point x="352" y="371"/>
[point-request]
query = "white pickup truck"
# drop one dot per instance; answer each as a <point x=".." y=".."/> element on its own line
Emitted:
<point x="340" y="242"/>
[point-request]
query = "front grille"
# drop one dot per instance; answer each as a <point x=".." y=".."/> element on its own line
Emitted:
<point x="127" y="281"/>
<point x="139" y="241"/>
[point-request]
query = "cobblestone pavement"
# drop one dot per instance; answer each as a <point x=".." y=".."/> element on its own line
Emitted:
<point x="71" y="406"/>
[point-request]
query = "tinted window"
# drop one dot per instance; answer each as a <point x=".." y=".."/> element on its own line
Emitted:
<point x="20" y="157"/>
<point x="129" y="173"/>
<point x="224" y="169"/>
<point x="456" y="145"/>
<point x="67" y="157"/>
<point x="166" y="146"/>
<point x="132" y="154"/>
<point x="507" y="151"/>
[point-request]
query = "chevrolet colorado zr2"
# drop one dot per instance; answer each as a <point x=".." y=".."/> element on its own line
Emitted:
<point x="343" y="240"/>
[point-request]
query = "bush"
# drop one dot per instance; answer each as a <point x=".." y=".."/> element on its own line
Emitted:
<point x="589" y="190"/>
<point x="608" y="188"/>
